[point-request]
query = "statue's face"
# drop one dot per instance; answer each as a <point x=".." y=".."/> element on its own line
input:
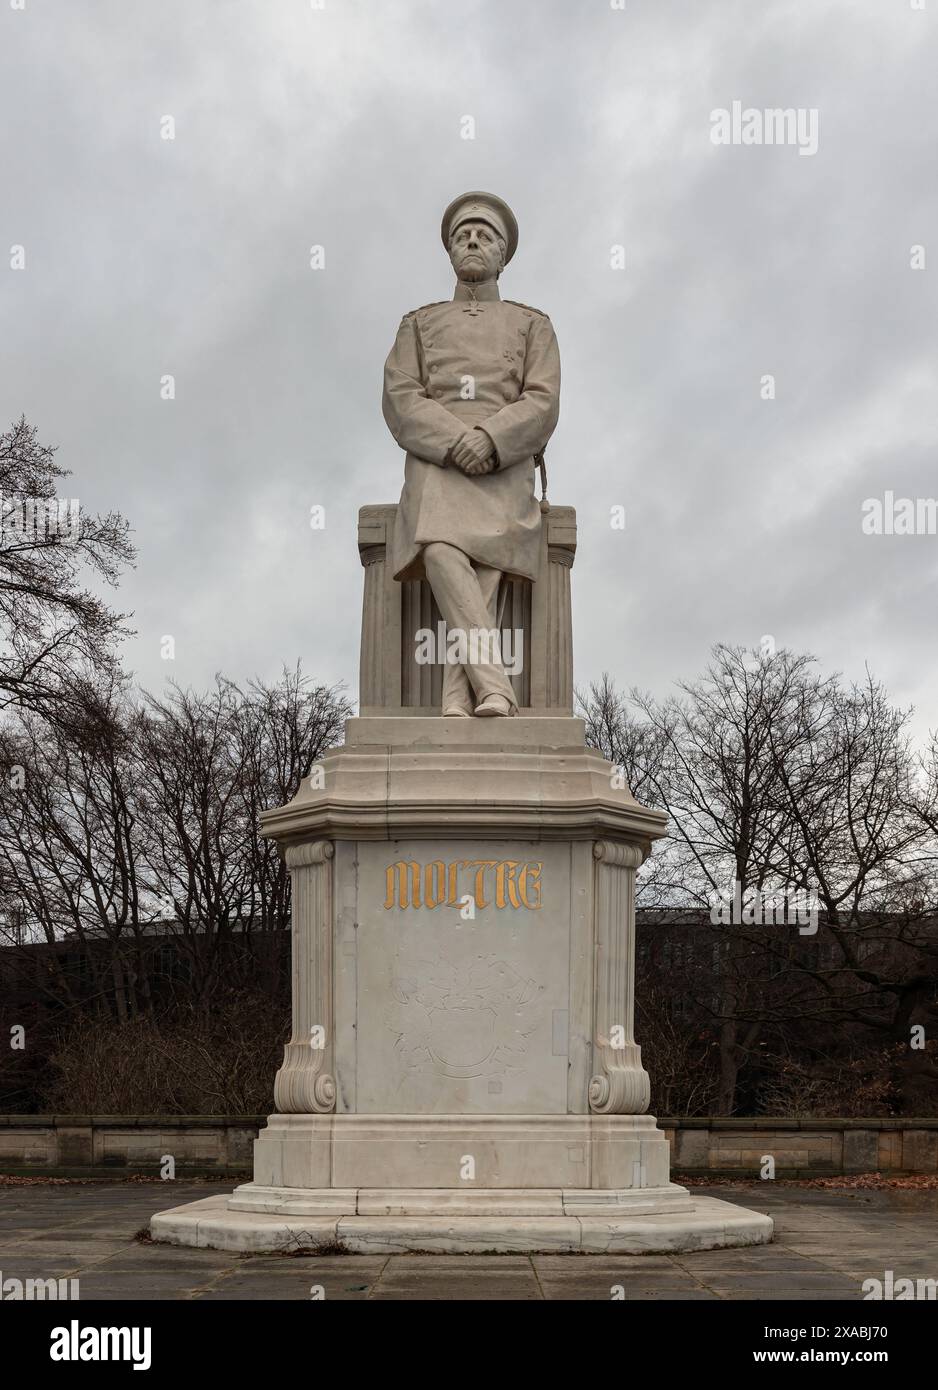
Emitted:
<point x="475" y="252"/>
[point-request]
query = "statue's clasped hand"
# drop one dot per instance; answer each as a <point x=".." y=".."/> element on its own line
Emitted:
<point x="474" y="453"/>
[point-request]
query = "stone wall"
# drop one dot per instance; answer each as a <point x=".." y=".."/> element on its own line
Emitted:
<point x="76" y="1145"/>
<point x="801" y="1148"/>
<point x="79" y="1145"/>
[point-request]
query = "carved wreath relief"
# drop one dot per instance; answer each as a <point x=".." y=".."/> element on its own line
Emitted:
<point x="466" y="1019"/>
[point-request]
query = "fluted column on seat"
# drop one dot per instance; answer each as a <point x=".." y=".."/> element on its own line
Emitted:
<point x="559" y="629"/>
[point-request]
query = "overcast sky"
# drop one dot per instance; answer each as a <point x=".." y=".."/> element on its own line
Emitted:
<point x="342" y="126"/>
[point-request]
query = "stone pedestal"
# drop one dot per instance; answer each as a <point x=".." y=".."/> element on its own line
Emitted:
<point x="462" y="1072"/>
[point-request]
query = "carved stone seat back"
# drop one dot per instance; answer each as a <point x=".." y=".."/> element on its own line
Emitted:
<point x="392" y="681"/>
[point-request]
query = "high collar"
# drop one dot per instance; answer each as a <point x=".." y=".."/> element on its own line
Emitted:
<point x="485" y="290"/>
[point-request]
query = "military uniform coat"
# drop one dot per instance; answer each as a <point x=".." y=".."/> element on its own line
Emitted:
<point x="505" y="357"/>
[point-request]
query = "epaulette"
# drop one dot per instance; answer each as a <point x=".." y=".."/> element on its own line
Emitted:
<point x="530" y="307"/>
<point x="410" y="313"/>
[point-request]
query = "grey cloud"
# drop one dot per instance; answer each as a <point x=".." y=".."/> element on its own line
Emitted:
<point x="340" y="127"/>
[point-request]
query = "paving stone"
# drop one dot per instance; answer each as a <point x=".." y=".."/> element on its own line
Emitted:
<point x="598" y="1291"/>
<point x="264" y="1293"/>
<point x="602" y="1286"/>
<point x="39" y="1269"/>
<point x="296" y="1288"/>
<point x="671" y="1295"/>
<point x="459" y="1284"/>
<point x="467" y="1290"/>
<point x="482" y="1263"/>
<point x="171" y="1284"/>
<point x="775" y="1286"/>
<point x="113" y="1292"/>
<point x="54" y="1249"/>
<point x="47" y="1237"/>
<point x="568" y="1263"/>
<point x="774" y="1261"/>
<point x="825" y="1248"/>
<point x="794" y="1295"/>
<point x="334" y="1267"/>
<point x="120" y="1262"/>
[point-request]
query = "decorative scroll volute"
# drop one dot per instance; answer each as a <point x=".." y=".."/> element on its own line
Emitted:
<point x="305" y="1083"/>
<point x="619" y="1085"/>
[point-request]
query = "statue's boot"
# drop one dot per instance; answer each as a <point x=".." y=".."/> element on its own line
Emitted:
<point x="495" y="706"/>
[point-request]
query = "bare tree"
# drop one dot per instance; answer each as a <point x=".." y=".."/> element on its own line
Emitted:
<point x="208" y="765"/>
<point x="71" y="855"/>
<point x="144" y="817"/>
<point x="779" y="781"/>
<point x="51" y="626"/>
<point x="637" y="747"/>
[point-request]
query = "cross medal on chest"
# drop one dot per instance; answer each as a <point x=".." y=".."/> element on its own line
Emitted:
<point x="473" y="307"/>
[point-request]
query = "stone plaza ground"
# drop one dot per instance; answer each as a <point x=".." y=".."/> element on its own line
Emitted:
<point x="828" y="1241"/>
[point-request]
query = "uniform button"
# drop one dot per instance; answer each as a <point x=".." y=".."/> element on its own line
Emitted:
<point x="433" y="366"/>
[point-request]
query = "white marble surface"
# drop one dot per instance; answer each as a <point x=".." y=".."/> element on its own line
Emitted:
<point x="709" y="1224"/>
<point x="430" y="1151"/>
<point x="455" y="1013"/>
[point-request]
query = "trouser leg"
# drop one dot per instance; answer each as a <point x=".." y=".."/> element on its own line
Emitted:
<point x="466" y="595"/>
<point x="457" y="691"/>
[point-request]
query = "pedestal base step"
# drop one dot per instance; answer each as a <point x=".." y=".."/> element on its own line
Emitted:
<point x="444" y="1221"/>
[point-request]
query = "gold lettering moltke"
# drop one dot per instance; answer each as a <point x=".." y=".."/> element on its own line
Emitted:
<point x="495" y="882"/>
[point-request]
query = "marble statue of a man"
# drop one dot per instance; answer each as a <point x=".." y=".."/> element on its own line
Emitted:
<point x="472" y="393"/>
